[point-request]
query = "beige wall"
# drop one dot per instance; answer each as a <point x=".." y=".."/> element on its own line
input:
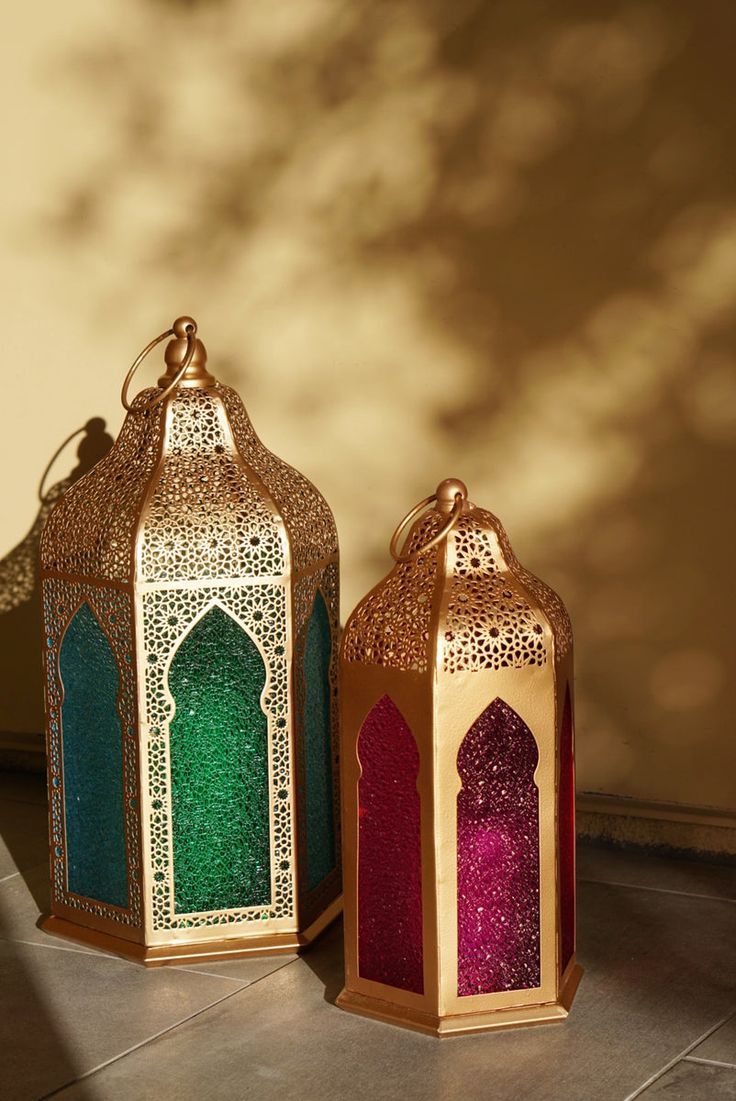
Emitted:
<point x="493" y="241"/>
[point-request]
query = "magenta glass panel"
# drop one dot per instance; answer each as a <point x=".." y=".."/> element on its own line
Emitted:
<point x="389" y="852"/>
<point x="498" y="855"/>
<point x="566" y="836"/>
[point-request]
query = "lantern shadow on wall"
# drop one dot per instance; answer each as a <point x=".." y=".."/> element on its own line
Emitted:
<point x="576" y="309"/>
<point x="21" y="697"/>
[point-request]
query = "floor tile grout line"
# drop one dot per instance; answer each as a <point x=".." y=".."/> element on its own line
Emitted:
<point x="657" y="890"/>
<point x="246" y="982"/>
<point x="708" y="1062"/>
<point x="159" y="1035"/>
<point x="11" y="875"/>
<point x="214" y="975"/>
<point x="680" y="1057"/>
<point x="55" y="947"/>
<point x="143" y="1043"/>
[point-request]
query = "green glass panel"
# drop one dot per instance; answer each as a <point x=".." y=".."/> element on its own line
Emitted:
<point x="219" y="769"/>
<point x="318" y="745"/>
<point x="92" y="748"/>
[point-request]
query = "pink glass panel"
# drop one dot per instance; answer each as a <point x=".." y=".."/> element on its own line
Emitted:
<point x="389" y="852"/>
<point x="498" y="855"/>
<point x="566" y="831"/>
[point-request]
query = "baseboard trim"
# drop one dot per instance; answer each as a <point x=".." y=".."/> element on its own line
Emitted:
<point x="669" y="828"/>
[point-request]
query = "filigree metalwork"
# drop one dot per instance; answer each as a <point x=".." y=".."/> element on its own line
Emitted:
<point x="474" y="655"/>
<point x="205" y="517"/>
<point x="489" y="623"/>
<point x="112" y="607"/>
<point x="189" y="509"/>
<point x="168" y="615"/>
<point x="495" y="613"/>
<point x="307" y="516"/>
<point x="91" y="532"/>
<point x="391" y="626"/>
<point x="306" y="587"/>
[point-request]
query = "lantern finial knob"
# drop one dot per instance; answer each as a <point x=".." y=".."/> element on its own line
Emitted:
<point x="447" y="493"/>
<point x="184" y="330"/>
<point x="184" y="325"/>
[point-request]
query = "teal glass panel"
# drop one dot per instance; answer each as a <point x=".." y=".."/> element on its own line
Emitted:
<point x="92" y="749"/>
<point x="219" y="769"/>
<point x="318" y="745"/>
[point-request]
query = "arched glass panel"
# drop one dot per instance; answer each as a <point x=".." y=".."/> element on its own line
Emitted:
<point x="92" y="748"/>
<point x="390" y="947"/>
<point x="566" y="836"/>
<point x="318" y="746"/>
<point x="219" y="769"/>
<point x="498" y="855"/>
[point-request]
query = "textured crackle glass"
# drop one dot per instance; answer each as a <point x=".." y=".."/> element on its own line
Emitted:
<point x="566" y="827"/>
<point x="390" y="947"/>
<point x="93" y="763"/>
<point x="318" y="746"/>
<point x="498" y="855"/>
<point x="219" y="769"/>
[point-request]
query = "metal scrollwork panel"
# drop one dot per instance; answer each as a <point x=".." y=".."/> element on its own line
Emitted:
<point x="112" y="609"/>
<point x="311" y="525"/>
<point x="391" y="626"/>
<point x="323" y="583"/>
<point x="91" y="531"/>
<point x="489" y="622"/>
<point x="167" y="617"/>
<point x="204" y="518"/>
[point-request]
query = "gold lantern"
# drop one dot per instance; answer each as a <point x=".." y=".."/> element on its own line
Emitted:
<point x="190" y="603"/>
<point x="458" y="784"/>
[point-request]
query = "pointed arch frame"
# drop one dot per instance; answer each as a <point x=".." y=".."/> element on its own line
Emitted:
<point x="168" y="614"/>
<point x="216" y="602"/>
<point x="501" y="721"/>
<point x="324" y="579"/>
<point x="393" y="712"/>
<point x="112" y="608"/>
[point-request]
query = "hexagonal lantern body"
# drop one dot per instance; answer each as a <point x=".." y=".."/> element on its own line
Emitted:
<point x="190" y="602"/>
<point x="458" y="787"/>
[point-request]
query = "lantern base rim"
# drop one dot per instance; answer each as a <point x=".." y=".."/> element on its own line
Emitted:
<point x="183" y="952"/>
<point x="465" y="1023"/>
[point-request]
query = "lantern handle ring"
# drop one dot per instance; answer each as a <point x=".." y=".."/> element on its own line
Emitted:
<point x="444" y="531"/>
<point x="191" y="345"/>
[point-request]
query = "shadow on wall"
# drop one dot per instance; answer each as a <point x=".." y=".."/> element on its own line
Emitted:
<point x="21" y="694"/>
<point x="490" y="241"/>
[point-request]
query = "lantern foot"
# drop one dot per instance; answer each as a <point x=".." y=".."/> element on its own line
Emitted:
<point x="203" y="951"/>
<point x="465" y="1023"/>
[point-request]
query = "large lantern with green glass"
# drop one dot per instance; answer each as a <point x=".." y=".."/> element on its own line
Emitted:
<point x="190" y="601"/>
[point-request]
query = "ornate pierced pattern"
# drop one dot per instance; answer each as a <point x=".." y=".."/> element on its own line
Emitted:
<point x="91" y="531"/>
<point x="190" y="505"/>
<point x="308" y="519"/>
<point x="326" y="581"/>
<point x="61" y="599"/>
<point x="489" y="623"/>
<point x="204" y="518"/>
<point x="548" y="600"/>
<point x="168" y="615"/>
<point x="391" y="625"/>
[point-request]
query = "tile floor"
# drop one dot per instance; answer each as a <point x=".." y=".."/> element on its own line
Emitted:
<point x="655" y="1016"/>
